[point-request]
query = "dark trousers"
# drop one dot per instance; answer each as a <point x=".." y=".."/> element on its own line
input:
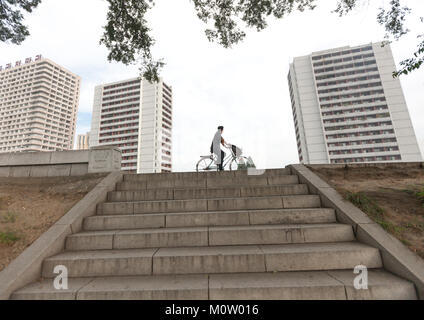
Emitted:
<point x="221" y="165"/>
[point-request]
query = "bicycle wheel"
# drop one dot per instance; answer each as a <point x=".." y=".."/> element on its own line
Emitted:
<point x="234" y="165"/>
<point x="204" y="165"/>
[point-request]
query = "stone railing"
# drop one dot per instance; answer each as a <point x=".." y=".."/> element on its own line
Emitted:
<point x="61" y="163"/>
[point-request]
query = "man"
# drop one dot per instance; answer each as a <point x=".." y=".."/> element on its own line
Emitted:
<point x="216" y="149"/>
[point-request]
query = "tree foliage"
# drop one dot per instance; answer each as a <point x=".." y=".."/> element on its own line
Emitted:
<point x="394" y="22"/>
<point x="11" y="16"/>
<point x="127" y="34"/>
<point x="227" y="15"/>
<point x="127" y="37"/>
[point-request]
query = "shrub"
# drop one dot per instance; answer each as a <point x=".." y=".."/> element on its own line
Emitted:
<point x="10" y="217"/>
<point x="420" y="196"/>
<point x="8" y="237"/>
<point x="366" y="204"/>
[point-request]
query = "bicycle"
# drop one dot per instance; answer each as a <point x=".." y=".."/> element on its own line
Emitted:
<point x="235" y="161"/>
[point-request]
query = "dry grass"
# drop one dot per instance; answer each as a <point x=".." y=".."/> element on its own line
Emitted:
<point x="30" y="206"/>
<point x="392" y="197"/>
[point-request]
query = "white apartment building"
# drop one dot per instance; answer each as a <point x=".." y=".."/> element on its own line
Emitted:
<point x="83" y="141"/>
<point x="135" y="116"/>
<point x="348" y="108"/>
<point x="38" y="106"/>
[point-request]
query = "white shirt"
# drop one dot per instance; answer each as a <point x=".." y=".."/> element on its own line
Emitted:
<point x="217" y="145"/>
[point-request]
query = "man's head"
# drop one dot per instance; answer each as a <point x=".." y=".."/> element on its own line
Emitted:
<point x="221" y="128"/>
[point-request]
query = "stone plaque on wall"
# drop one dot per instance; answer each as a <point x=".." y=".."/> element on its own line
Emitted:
<point x="104" y="159"/>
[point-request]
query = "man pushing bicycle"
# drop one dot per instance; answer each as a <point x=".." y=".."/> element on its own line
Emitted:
<point x="216" y="148"/>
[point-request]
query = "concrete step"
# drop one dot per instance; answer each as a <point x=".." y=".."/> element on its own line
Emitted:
<point x="265" y="258"/>
<point x="193" y="287"/>
<point x="198" y="205"/>
<point x="204" y="193"/>
<point x="331" y="285"/>
<point x="213" y="182"/>
<point x="209" y="236"/>
<point x="205" y="219"/>
<point x="314" y="285"/>
<point x="206" y="175"/>
<point x="215" y="260"/>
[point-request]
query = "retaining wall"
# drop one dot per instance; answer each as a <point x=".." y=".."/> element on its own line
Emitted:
<point x="397" y="258"/>
<point x="26" y="268"/>
<point x="60" y="163"/>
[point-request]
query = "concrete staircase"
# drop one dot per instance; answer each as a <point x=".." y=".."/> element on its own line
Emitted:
<point x="215" y="236"/>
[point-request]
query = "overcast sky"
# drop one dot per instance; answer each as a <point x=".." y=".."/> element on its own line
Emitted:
<point x="244" y="88"/>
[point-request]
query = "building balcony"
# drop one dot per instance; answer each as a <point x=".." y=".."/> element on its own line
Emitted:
<point x="120" y="111"/>
<point x="122" y="118"/>
<point x="348" y="83"/>
<point x="132" y="154"/>
<point x="364" y="146"/>
<point x="365" y="155"/>
<point x="356" y="122"/>
<point x="132" y="161"/>
<point x="112" y="91"/>
<point x="132" y="127"/>
<point x="117" y="105"/>
<point x="353" y="113"/>
<point x="350" y="91"/>
<point x="130" y="148"/>
<point x="131" y="94"/>
<point x="130" y="123"/>
<point x="347" y="77"/>
<point x="353" y="101"/>
<point x="124" y="135"/>
<point x="361" y="138"/>
<point x="114" y="143"/>
<point x="352" y="106"/>
<point x="342" y="63"/>
<point x="341" y="66"/>
<point x="359" y="130"/>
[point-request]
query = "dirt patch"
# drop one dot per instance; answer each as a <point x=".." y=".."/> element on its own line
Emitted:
<point x="30" y="206"/>
<point x="396" y="191"/>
